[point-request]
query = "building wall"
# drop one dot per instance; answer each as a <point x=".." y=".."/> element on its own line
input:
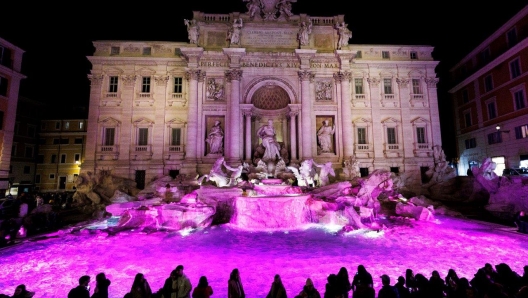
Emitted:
<point x="505" y="143"/>
<point x="10" y="77"/>
<point x="61" y="153"/>
<point x="317" y="82"/>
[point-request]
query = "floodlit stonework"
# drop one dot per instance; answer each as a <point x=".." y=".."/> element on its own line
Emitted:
<point x="152" y="104"/>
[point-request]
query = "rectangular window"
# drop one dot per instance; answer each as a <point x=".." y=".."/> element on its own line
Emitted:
<point x="492" y="110"/>
<point x="176" y="137"/>
<point x="56" y="141"/>
<point x="512" y="37"/>
<point x="145" y="85"/>
<point x="114" y="51"/>
<point x="178" y="85"/>
<point x="519" y="99"/>
<point x="467" y="119"/>
<point x="63" y="158"/>
<point x="416" y="86"/>
<point x="3" y="86"/>
<point x="387" y="86"/>
<point x="471" y="143"/>
<point x="54" y="158"/>
<point x="37" y="178"/>
<point x="485" y="55"/>
<point x="488" y="83"/>
<point x="78" y="141"/>
<point x="52" y="176"/>
<point x="521" y="132"/>
<point x="112" y="85"/>
<point x="362" y="135"/>
<point x="64" y="141"/>
<point x="391" y="135"/>
<point x="28" y="152"/>
<point x="109" y="136"/>
<point x="414" y="55"/>
<point x="358" y="54"/>
<point x="364" y="172"/>
<point x="494" y="138"/>
<point x="515" y="68"/>
<point x="66" y="125"/>
<point x="77" y="157"/>
<point x="395" y="170"/>
<point x="385" y="55"/>
<point x="27" y="169"/>
<point x="142" y="137"/>
<point x="147" y="51"/>
<point x="358" y="83"/>
<point x="81" y="125"/>
<point x="420" y="135"/>
<point x="465" y="96"/>
<point x="57" y="125"/>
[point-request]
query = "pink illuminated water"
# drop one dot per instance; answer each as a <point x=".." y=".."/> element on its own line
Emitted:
<point x="52" y="266"/>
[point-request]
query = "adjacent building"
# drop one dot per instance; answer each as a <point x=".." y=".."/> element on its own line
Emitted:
<point x="152" y="104"/>
<point x="60" y="154"/>
<point x="10" y="77"/>
<point x="490" y="101"/>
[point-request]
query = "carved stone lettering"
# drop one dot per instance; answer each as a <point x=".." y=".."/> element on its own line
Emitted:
<point x="270" y="37"/>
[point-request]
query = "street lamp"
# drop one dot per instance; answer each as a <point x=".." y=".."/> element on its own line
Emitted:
<point x="498" y="128"/>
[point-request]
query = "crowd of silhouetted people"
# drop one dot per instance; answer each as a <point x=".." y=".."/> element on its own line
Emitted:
<point x="498" y="281"/>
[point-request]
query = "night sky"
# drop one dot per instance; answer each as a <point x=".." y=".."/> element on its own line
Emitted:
<point x="57" y="37"/>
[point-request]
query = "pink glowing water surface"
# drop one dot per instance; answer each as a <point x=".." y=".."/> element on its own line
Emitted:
<point x="51" y="267"/>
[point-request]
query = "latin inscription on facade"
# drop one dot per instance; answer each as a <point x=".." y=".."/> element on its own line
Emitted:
<point x="272" y="38"/>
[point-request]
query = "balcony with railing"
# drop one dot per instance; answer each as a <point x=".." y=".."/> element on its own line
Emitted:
<point x="393" y="150"/>
<point x="364" y="150"/>
<point x="177" y="100"/>
<point x="418" y="101"/>
<point x="360" y="100"/>
<point x="389" y="101"/>
<point x="175" y="152"/>
<point x="141" y="152"/>
<point x="106" y="152"/>
<point x="144" y="99"/>
<point x="111" y="99"/>
<point x="423" y="149"/>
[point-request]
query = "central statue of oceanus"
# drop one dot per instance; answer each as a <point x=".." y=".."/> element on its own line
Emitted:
<point x="269" y="9"/>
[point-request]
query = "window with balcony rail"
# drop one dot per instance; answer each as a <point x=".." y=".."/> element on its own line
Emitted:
<point x="387" y="86"/>
<point x="358" y="85"/>
<point x="145" y="85"/>
<point x="112" y="84"/>
<point x="362" y="135"/>
<point x="178" y="85"/>
<point x="391" y="135"/>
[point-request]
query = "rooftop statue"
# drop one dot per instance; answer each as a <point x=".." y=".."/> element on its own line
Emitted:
<point x="192" y="30"/>
<point x="254" y="7"/>
<point x="344" y="35"/>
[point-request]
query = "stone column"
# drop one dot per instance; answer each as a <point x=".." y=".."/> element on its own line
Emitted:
<point x="407" y="140"/>
<point x="247" y="113"/>
<point x="93" y="133"/>
<point x="192" y="121"/>
<point x="432" y="96"/>
<point x="306" y="115"/>
<point x="377" y="127"/>
<point x="346" y="113"/>
<point x="293" y="135"/>
<point x="233" y="153"/>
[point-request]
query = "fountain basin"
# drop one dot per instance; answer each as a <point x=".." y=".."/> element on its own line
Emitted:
<point x="282" y="212"/>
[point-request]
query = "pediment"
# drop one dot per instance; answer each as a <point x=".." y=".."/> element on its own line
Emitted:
<point x="113" y="71"/>
<point x="418" y="120"/>
<point x="145" y="71"/>
<point x="361" y="120"/>
<point x="390" y="120"/>
<point x="143" y="121"/>
<point x="110" y="121"/>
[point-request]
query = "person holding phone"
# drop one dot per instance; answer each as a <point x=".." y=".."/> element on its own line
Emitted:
<point x="82" y="290"/>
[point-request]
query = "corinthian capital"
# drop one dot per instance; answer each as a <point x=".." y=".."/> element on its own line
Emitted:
<point x="431" y="82"/>
<point x="305" y="75"/>
<point x="128" y="79"/>
<point x="233" y="75"/>
<point x="402" y="82"/>
<point x="193" y="74"/>
<point x="161" y="80"/>
<point x="374" y="82"/>
<point x="95" y="79"/>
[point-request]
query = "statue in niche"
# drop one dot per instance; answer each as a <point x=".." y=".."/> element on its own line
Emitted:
<point x="234" y="32"/>
<point x="304" y="33"/>
<point x="215" y="91"/>
<point x="324" y="137"/>
<point x="284" y="7"/>
<point x="326" y="169"/>
<point x="344" y="35"/>
<point x="254" y="7"/>
<point x="324" y="91"/>
<point x="268" y="136"/>
<point x="215" y="138"/>
<point x="192" y="30"/>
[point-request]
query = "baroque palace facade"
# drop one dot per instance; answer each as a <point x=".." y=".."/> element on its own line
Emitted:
<point x="152" y="104"/>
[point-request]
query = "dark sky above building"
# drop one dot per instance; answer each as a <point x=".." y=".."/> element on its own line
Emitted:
<point x="57" y="36"/>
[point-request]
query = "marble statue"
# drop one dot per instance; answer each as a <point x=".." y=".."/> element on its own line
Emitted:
<point x="324" y="137"/>
<point x="192" y="30"/>
<point x="216" y="175"/>
<point x="234" y="32"/>
<point x="344" y="35"/>
<point x="215" y="138"/>
<point x="305" y="174"/>
<point x="284" y="7"/>
<point x="325" y="170"/>
<point x="304" y="33"/>
<point x="351" y="167"/>
<point x="272" y="148"/>
<point x="254" y="7"/>
<point x="236" y="172"/>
